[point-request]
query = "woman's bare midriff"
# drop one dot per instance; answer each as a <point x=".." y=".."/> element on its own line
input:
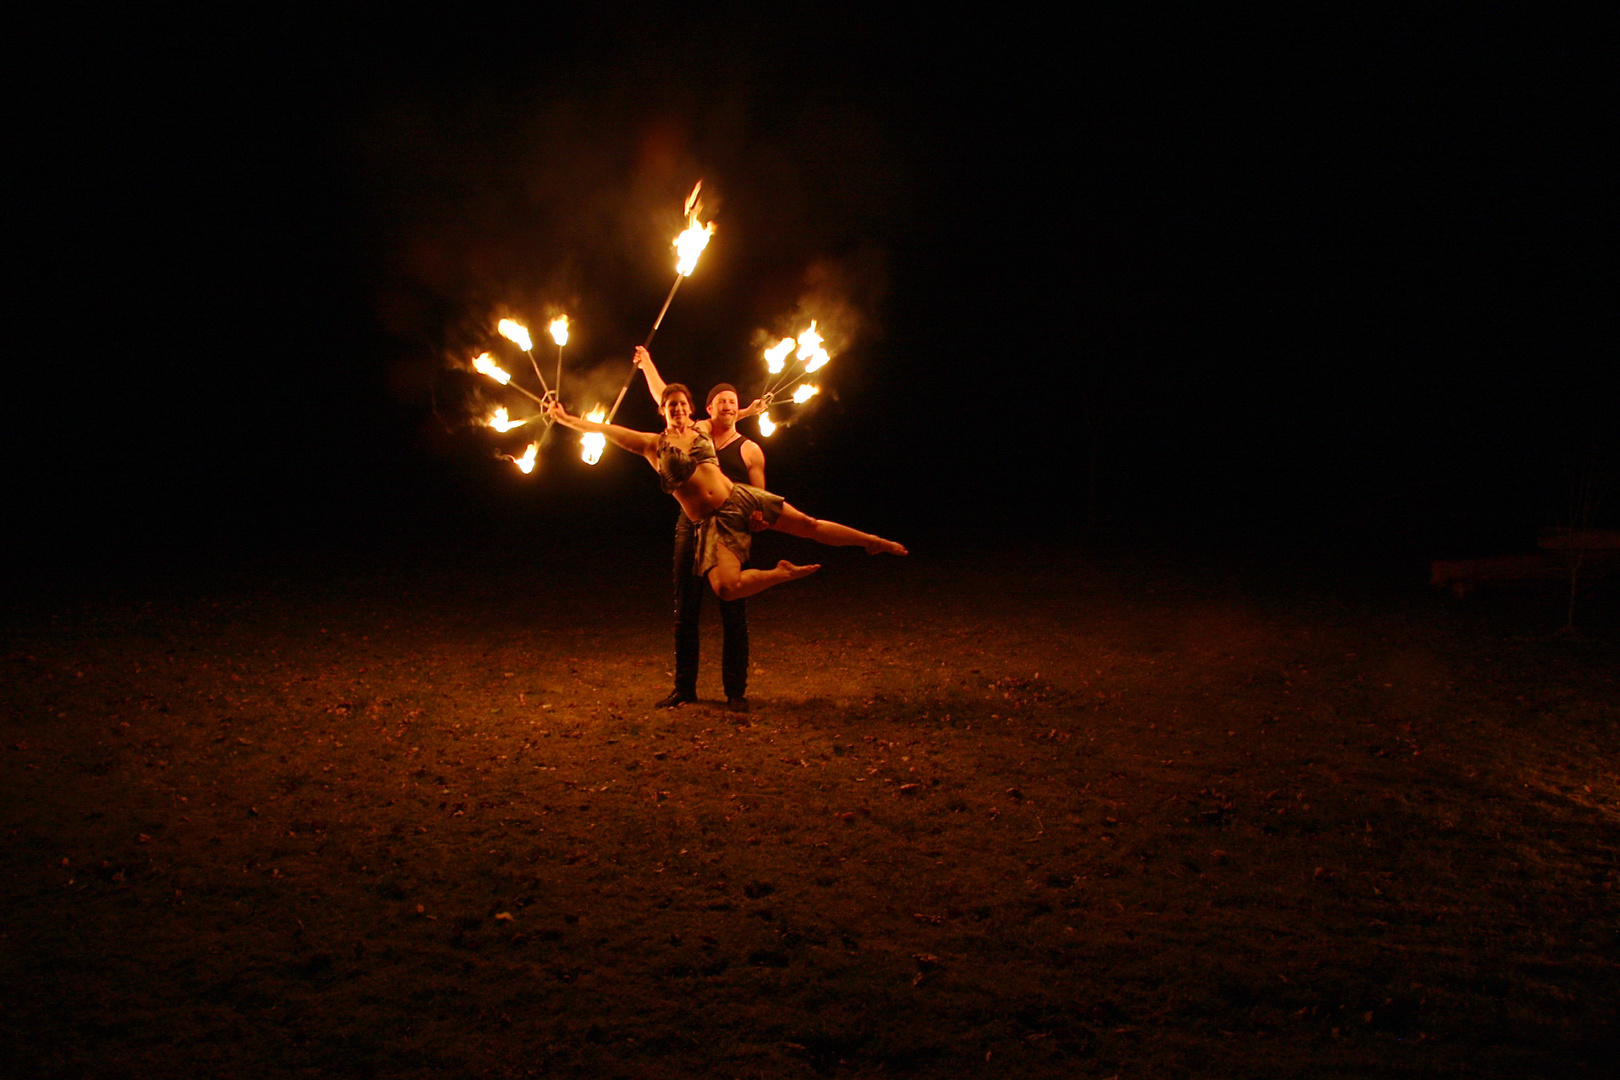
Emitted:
<point x="704" y="492"/>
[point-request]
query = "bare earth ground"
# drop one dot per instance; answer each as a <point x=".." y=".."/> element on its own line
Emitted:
<point x="1061" y="816"/>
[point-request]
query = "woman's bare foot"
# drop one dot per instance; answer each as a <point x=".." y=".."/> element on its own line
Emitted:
<point x="879" y="546"/>
<point x="795" y="572"/>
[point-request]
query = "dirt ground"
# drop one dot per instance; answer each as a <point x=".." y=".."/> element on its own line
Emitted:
<point x="1046" y="814"/>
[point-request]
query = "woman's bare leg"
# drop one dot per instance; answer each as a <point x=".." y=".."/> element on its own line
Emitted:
<point x="797" y="523"/>
<point x="731" y="582"/>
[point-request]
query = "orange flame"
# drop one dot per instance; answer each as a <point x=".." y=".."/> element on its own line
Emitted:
<point x="525" y="463"/>
<point x="766" y="426"/>
<point x="818" y="360"/>
<point x="592" y="443"/>
<point x="805" y="393"/>
<point x="690" y="244"/>
<point x="498" y="420"/>
<point x="515" y="332"/>
<point x="559" y="330"/>
<point x="809" y="341"/>
<point x="487" y="366"/>
<point x="776" y="355"/>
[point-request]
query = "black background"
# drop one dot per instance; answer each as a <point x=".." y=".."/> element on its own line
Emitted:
<point x="1306" y="281"/>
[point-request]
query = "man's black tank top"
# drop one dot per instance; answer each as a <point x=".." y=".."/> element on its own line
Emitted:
<point x="731" y="461"/>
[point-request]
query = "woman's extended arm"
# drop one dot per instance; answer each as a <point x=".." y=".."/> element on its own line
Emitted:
<point x="637" y="442"/>
<point x="655" y="381"/>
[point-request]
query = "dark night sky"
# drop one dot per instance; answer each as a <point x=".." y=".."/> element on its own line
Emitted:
<point x="1282" y="279"/>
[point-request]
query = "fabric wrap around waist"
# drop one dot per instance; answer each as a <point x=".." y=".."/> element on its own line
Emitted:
<point x="747" y="510"/>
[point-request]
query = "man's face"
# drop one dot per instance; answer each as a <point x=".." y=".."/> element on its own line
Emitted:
<point x="723" y="407"/>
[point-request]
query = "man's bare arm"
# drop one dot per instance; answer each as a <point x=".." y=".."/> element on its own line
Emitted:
<point x="754" y="458"/>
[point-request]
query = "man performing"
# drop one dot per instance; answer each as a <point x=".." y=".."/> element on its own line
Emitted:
<point x="743" y="462"/>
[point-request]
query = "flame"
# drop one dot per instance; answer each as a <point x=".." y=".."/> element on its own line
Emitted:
<point x="516" y="332"/>
<point x="805" y="393"/>
<point x="559" y="330"/>
<point x="817" y="361"/>
<point x="766" y="426"/>
<point x="690" y="244"/>
<point x="525" y="463"/>
<point x="776" y="355"/>
<point x="488" y="367"/>
<point x="498" y="420"/>
<point x="592" y="443"/>
<point x="809" y="341"/>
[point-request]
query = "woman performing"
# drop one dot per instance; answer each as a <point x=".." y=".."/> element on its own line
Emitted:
<point x="725" y="514"/>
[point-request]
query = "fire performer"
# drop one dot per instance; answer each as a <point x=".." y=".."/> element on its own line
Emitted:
<point x="724" y="514"/>
<point x="743" y="462"/>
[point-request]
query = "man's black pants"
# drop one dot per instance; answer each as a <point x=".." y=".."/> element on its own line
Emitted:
<point x="689" y="590"/>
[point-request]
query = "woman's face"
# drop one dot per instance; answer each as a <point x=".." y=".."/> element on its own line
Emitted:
<point x="677" y="409"/>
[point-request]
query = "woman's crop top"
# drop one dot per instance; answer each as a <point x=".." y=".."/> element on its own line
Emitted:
<point x="676" y="466"/>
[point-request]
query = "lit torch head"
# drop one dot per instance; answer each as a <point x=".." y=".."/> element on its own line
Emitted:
<point x="690" y="245"/>
<point x="525" y="463"/>
<point x="559" y="330"/>
<point x="484" y="365"/>
<point x="499" y="421"/>
<point x="766" y="426"/>
<point x="592" y="443"/>
<point x="809" y="341"/>
<point x="817" y="361"/>
<point x="805" y="393"/>
<point x="515" y="332"/>
<point x="776" y="356"/>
